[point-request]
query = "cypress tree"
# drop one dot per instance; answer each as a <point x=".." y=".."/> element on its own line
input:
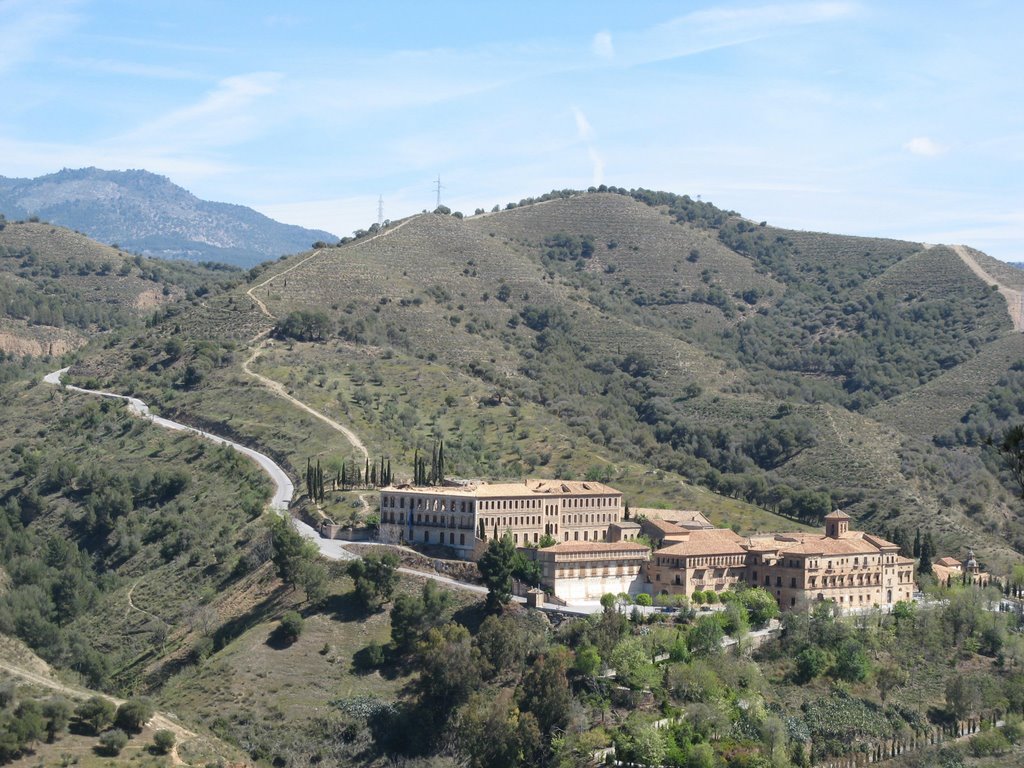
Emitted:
<point x="343" y="478"/>
<point x="366" y="472"/>
<point x="309" y="479"/>
<point x="440" y="463"/>
<point x="917" y="543"/>
<point x="389" y="471"/>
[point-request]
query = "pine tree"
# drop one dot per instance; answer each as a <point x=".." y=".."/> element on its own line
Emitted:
<point x="927" y="553"/>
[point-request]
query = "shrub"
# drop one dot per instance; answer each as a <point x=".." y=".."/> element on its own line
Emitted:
<point x="163" y="741"/>
<point x="113" y="741"/>
<point x="97" y="713"/>
<point x="989" y="743"/>
<point x="133" y="715"/>
<point x="644" y="599"/>
<point x="290" y="628"/>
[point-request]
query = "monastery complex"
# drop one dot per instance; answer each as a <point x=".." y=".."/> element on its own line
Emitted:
<point x="596" y="549"/>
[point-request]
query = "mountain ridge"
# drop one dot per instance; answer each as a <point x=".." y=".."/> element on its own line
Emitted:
<point x="148" y="213"/>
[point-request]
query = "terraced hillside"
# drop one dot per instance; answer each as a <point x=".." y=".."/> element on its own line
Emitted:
<point x="748" y="359"/>
<point x="634" y="331"/>
<point x="60" y="288"/>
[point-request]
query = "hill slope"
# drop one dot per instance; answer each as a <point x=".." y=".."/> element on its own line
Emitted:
<point x="146" y="213"/>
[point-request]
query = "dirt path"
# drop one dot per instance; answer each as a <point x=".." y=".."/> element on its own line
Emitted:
<point x="251" y="293"/>
<point x="133" y="607"/>
<point x="275" y="386"/>
<point x="1014" y="298"/>
<point x="278" y="389"/>
<point x="159" y="721"/>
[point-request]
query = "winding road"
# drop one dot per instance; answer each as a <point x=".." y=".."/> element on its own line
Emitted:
<point x="333" y="549"/>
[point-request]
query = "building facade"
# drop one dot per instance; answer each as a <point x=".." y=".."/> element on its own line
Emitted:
<point x="464" y="517"/>
<point x="855" y="569"/>
<point x="584" y="571"/>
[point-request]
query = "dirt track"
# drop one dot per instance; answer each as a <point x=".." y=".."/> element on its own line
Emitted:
<point x="1014" y="298"/>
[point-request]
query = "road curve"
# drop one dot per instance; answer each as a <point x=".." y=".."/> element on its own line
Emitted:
<point x="332" y="549"/>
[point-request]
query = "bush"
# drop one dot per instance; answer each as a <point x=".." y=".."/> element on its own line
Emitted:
<point x="113" y="741"/>
<point x="133" y="715"/>
<point x="97" y="713"/>
<point x="644" y="599"/>
<point x="989" y="743"/>
<point x="163" y="741"/>
<point x="290" y="628"/>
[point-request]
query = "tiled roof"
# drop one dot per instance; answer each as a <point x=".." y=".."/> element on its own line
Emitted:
<point x="714" y="541"/>
<point x="530" y="488"/>
<point x="663" y="526"/>
<point x="948" y="562"/>
<point x="686" y="518"/>
<point x="850" y="543"/>
<point x="596" y="547"/>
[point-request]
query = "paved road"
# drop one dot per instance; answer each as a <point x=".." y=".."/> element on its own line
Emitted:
<point x="283" y="487"/>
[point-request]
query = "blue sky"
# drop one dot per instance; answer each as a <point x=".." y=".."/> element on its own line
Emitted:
<point x="902" y="119"/>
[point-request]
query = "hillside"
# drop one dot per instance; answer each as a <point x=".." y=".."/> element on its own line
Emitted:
<point x="748" y="359"/>
<point x="145" y="213"/>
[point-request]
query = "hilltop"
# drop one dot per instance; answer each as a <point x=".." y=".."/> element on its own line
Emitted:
<point x="146" y="213"/>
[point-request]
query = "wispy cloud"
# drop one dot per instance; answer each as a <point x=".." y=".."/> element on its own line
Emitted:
<point x="602" y="45"/>
<point x="131" y="68"/>
<point x="26" y="25"/>
<point x="925" y="146"/>
<point x="224" y="116"/>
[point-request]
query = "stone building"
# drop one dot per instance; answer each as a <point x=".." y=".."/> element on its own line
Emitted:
<point x="583" y="571"/>
<point x="853" y="568"/>
<point x="713" y="559"/>
<point x="463" y="517"/>
<point x="950" y="571"/>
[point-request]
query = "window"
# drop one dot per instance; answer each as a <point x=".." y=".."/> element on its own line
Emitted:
<point x="792" y="582"/>
<point x="462" y="538"/>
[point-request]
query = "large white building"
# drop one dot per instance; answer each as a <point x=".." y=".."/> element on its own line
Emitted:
<point x="463" y="517"/>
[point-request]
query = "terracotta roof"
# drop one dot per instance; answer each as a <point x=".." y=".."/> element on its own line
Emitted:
<point x="596" y="547"/>
<point x="713" y="541"/>
<point x="685" y="518"/>
<point x="948" y="562"/>
<point x="837" y="515"/>
<point x="480" y="489"/>
<point x="623" y="525"/>
<point x="850" y="543"/>
<point x="663" y="526"/>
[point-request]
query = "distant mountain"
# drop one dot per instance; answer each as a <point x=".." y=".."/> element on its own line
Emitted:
<point x="147" y="213"/>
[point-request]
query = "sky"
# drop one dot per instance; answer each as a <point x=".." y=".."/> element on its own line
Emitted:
<point x="895" y="119"/>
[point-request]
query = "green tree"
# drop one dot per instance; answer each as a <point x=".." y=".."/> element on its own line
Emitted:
<point x="852" y="663"/>
<point x="1012" y="449"/>
<point x="412" y="616"/>
<point x="375" y="577"/>
<point x="545" y="689"/>
<point x="291" y="553"/>
<point x="113" y="741"/>
<point x="705" y="636"/>
<point x="133" y="715"/>
<point x="812" y="662"/>
<point x="289" y="629"/>
<point x="97" y="713"/>
<point x="163" y="741"/>
<point x="496" y="566"/>
<point x="57" y="712"/>
<point x="644" y="599"/>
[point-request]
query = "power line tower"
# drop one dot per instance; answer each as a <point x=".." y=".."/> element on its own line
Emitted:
<point x="439" y="188"/>
<point x="380" y="212"/>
